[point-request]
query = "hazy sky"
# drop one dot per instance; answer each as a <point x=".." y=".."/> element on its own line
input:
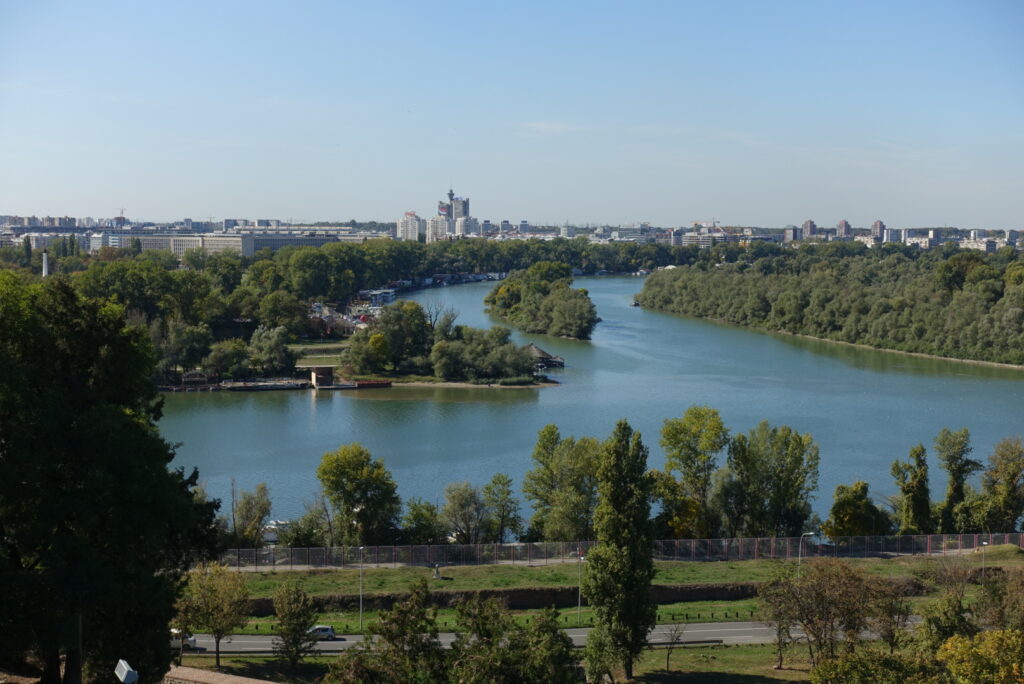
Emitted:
<point x="756" y="113"/>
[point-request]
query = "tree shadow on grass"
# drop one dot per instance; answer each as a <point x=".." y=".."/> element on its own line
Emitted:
<point x="275" y="670"/>
<point x="677" y="677"/>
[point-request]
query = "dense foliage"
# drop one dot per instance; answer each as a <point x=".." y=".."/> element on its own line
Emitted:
<point x="89" y="512"/>
<point x="406" y="339"/>
<point x="539" y="300"/>
<point x="490" y="646"/>
<point x="948" y="302"/>
<point x="202" y="311"/>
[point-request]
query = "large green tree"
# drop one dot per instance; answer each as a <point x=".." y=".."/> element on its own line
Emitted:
<point x="90" y="513"/>
<point x="364" y="495"/>
<point x="620" y="567"/>
<point x="562" y="486"/>
<point x="775" y="476"/>
<point x="692" y="444"/>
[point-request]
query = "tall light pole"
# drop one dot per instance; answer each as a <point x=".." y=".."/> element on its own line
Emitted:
<point x="983" y="545"/>
<point x="579" y="587"/>
<point x="361" y="589"/>
<point x="800" y="550"/>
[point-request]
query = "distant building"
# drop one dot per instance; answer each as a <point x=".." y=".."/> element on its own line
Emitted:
<point x="505" y="227"/>
<point x="411" y="227"/>
<point x="466" y="225"/>
<point x="843" y="229"/>
<point x="810" y="228"/>
<point x="878" y="230"/>
<point x="438" y="228"/>
<point x="792" y="234"/>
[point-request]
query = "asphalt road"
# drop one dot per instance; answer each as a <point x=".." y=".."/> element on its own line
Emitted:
<point x="692" y="633"/>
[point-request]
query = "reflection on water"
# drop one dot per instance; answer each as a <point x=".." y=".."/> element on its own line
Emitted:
<point x="864" y="407"/>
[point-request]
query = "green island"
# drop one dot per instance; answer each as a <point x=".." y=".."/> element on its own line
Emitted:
<point x="540" y="300"/>
<point x="960" y="304"/>
<point x="407" y="341"/>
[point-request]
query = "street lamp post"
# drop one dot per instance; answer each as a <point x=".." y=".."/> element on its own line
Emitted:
<point x="361" y="589"/>
<point x="800" y="550"/>
<point x="579" y="587"/>
<point x="983" y="545"/>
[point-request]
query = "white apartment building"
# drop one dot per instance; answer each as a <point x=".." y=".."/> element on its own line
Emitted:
<point x="411" y="226"/>
<point x="437" y="228"/>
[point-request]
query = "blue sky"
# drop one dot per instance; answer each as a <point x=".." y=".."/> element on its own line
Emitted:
<point x="756" y="113"/>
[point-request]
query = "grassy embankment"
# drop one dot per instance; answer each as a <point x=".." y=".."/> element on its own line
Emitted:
<point x="473" y="578"/>
<point x="318" y="353"/>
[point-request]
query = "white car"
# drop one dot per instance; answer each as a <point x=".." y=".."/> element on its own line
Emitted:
<point x="182" y="642"/>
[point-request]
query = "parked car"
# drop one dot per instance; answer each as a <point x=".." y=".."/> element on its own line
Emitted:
<point x="182" y="642"/>
<point x="323" y="633"/>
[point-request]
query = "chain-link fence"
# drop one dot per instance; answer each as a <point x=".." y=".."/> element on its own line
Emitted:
<point x="541" y="553"/>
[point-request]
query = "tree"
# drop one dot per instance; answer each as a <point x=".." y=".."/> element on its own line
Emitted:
<point x="89" y="511"/>
<point x="600" y="655"/>
<point x="777" y="609"/>
<point x="829" y="606"/>
<point x="563" y="486"/>
<point x="620" y="567"/>
<point x="229" y="358"/>
<point x="504" y="509"/>
<point x="250" y="517"/>
<point x="422" y="523"/>
<point x="889" y="613"/>
<point x="993" y="657"/>
<point x="215" y="600"/>
<point x="775" y="470"/>
<point x="854" y="514"/>
<point x="692" y="444"/>
<point x="1003" y="486"/>
<point x="948" y="614"/>
<point x="296" y="616"/>
<point x="269" y="352"/>
<point x="404" y="646"/>
<point x="914" y="509"/>
<point x="282" y="309"/>
<point x="464" y="513"/>
<point x="953" y="450"/>
<point x="363" y="493"/>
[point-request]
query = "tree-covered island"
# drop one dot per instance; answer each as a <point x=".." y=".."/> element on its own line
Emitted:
<point x="539" y="299"/>
<point x="408" y="340"/>
<point x="961" y="304"/>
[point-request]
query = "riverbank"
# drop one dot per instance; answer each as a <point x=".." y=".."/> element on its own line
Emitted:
<point x="852" y="345"/>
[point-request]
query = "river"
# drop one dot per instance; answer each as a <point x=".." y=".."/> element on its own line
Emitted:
<point x="863" y="407"/>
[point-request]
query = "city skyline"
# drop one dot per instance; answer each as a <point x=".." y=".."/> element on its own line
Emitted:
<point x="756" y="114"/>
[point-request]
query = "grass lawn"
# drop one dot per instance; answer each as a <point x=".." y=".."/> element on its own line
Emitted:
<point x="720" y="665"/>
<point x="347" y="622"/>
<point x="472" y="577"/>
<point x="263" y="667"/>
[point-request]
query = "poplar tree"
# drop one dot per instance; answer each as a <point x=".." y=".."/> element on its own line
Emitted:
<point x="953" y="450"/>
<point x="915" y="508"/>
<point x="620" y="567"/>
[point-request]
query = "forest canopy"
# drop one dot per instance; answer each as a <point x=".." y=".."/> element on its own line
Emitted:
<point x="961" y="304"/>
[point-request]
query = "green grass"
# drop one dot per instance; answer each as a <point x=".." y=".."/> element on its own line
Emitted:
<point x="747" y="664"/>
<point x="347" y="622"/>
<point x="263" y="667"/>
<point x="473" y="577"/>
<point x="305" y="361"/>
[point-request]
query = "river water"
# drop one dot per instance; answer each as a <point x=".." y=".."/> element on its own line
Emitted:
<point x="863" y="407"/>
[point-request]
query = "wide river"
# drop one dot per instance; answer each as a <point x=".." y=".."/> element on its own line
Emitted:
<point x="864" y="408"/>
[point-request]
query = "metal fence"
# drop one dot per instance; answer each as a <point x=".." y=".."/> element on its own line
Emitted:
<point x="541" y="553"/>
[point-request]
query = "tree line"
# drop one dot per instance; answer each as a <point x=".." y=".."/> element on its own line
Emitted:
<point x="540" y="300"/>
<point x="714" y="484"/>
<point x="201" y="311"/>
<point x="949" y="302"/>
<point x="857" y="629"/>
